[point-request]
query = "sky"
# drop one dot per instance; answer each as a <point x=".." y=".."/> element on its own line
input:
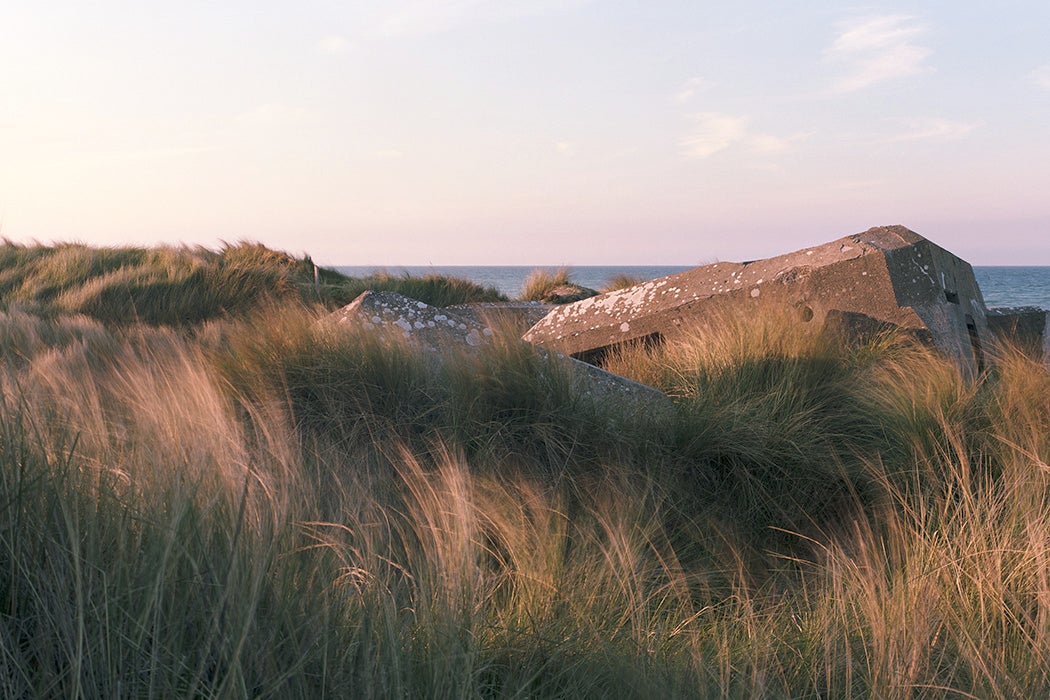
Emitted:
<point x="526" y="132"/>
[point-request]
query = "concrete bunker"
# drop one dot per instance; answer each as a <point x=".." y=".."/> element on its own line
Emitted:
<point x="887" y="276"/>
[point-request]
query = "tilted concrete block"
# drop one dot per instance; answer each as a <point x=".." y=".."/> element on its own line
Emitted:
<point x="886" y="276"/>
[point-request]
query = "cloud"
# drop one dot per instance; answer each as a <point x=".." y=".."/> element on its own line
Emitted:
<point x="423" y="17"/>
<point x="274" y="114"/>
<point x="690" y="88"/>
<point x="877" y="49"/>
<point x="1041" y="76"/>
<point x="333" y="45"/>
<point x="936" y="130"/>
<point x="766" y="143"/>
<point x="713" y="132"/>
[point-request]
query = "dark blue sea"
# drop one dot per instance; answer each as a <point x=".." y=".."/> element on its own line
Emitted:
<point x="1001" y="286"/>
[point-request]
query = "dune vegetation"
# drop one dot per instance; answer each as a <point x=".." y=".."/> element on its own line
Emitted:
<point x="553" y="287"/>
<point x="236" y="500"/>
<point x="188" y="285"/>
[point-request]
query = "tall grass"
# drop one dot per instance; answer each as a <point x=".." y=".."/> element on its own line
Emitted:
<point x="267" y="507"/>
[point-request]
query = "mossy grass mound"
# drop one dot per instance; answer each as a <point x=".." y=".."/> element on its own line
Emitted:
<point x="182" y="286"/>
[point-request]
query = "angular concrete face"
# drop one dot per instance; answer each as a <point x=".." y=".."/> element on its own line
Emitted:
<point x="438" y="330"/>
<point x="886" y="276"/>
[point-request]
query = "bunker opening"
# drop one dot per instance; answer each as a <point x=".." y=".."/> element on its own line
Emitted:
<point x="975" y="343"/>
<point x="597" y="356"/>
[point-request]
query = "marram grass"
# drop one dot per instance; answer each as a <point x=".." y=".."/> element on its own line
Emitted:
<point x="261" y="506"/>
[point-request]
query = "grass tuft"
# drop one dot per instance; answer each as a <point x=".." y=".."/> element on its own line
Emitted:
<point x="620" y="281"/>
<point x="553" y="286"/>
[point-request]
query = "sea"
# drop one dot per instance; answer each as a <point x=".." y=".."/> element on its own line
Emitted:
<point x="1001" y="286"/>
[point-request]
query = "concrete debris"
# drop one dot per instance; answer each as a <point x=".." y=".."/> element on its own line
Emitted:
<point x="430" y="327"/>
<point x="438" y="330"/>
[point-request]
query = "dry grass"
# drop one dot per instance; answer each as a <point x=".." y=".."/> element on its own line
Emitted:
<point x="620" y="281"/>
<point x="269" y="509"/>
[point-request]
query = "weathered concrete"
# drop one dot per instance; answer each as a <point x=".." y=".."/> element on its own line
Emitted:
<point x="886" y="276"/>
<point x="429" y="327"/>
<point x="568" y="293"/>
<point x="523" y="314"/>
<point x="1023" y="326"/>
<point x="440" y="330"/>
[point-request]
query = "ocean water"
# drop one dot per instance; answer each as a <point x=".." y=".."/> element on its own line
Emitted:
<point x="509" y="279"/>
<point x="1001" y="286"/>
<point x="1014" y="286"/>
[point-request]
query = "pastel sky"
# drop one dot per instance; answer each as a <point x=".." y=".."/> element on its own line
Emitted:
<point x="409" y="132"/>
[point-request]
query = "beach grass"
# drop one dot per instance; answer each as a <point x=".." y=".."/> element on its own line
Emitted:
<point x="436" y="290"/>
<point x="552" y="286"/>
<point x="622" y="280"/>
<point x="263" y="505"/>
